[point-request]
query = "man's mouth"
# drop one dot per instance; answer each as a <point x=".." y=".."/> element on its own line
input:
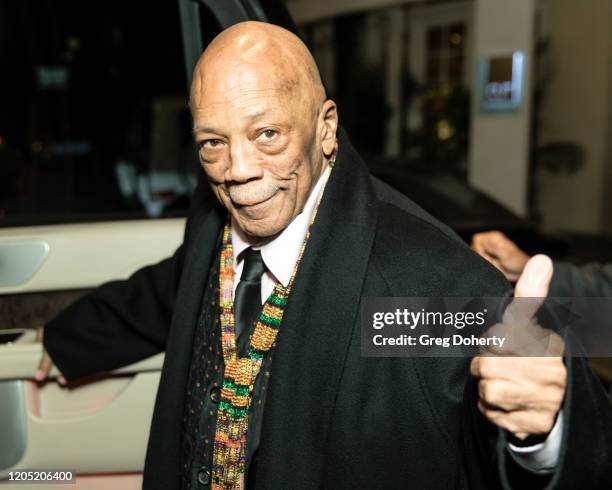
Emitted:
<point x="252" y="204"/>
<point x="249" y="197"/>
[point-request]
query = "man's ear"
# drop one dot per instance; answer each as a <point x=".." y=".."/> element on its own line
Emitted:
<point x="329" y="126"/>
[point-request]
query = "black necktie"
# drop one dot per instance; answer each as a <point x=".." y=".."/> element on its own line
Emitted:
<point x="247" y="301"/>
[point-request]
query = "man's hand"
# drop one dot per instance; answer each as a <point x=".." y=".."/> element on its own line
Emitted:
<point x="523" y="395"/>
<point x="502" y="252"/>
<point x="45" y="364"/>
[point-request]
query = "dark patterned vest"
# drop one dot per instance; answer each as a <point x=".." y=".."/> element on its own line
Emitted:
<point x="203" y="395"/>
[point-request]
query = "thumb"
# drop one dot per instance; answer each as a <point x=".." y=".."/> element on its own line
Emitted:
<point x="533" y="283"/>
<point x="535" y="279"/>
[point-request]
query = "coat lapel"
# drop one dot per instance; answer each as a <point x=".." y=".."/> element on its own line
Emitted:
<point x="317" y="327"/>
<point x="164" y="449"/>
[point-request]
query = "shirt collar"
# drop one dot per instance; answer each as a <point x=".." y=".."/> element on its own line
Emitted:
<point x="281" y="254"/>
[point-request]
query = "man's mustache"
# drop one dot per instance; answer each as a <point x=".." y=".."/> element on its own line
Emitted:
<point x="252" y="192"/>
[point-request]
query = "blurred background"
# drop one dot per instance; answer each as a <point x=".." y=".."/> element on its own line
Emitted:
<point x="491" y="114"/>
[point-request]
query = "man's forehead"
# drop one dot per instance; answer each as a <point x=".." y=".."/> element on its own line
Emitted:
<point x="248" y="104"/>
<point x="222" y="76"/>
<point x="213" y="116"/>
<point x="243" y="81"/>
<point x="247" y="91"/>
<point x="278" y="97"/>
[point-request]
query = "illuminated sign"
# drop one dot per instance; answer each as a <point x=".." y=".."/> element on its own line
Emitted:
<point x="501" y="82"/>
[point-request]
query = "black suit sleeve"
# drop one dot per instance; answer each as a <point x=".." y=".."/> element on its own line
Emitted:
<point x="117" y="324"/>
<point x="585" y="458"/>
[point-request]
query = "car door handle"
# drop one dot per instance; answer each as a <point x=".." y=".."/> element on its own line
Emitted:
<point x="20" y="260"/>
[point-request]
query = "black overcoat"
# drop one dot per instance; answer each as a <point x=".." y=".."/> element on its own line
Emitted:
<point x="334" y="419"/>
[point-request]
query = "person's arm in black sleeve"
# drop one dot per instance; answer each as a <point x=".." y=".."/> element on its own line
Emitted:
<point x="592" y="280"/>
<point x="585" y="459"/>
<point x="119" y="323"/>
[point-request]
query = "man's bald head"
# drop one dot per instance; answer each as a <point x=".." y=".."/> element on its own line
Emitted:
<point x="263" y="125"/>
<point x="264" y="48"/>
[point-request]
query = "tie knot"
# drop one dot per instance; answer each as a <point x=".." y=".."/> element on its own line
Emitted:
<point x="254" y="265"/>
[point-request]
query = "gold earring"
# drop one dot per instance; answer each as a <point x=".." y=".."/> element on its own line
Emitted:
<point x="332" y="158"/>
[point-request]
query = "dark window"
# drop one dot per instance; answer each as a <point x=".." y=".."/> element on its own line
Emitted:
<point x="209" y="25"/>
<point x="276" y="13"/>
<point x="445" y="62"/>
<point x="94" y="121"/>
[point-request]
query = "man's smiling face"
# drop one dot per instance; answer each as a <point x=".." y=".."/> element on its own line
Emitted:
<point x="259" y="131"/>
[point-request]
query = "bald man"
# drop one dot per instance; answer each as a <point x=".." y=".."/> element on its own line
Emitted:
<point x="264" y="384"/>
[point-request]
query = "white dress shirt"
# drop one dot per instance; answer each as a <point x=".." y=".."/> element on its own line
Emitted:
<point x="280" y="256"/>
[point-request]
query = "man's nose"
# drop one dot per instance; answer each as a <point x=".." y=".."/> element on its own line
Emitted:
<point x="244" y="163"/>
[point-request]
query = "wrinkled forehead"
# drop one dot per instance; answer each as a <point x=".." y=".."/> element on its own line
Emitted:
<point x="212" y="85"/>
<point x="244" y="90"/>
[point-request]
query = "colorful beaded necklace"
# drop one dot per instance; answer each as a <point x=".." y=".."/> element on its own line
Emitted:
<point x="229" y="454"/>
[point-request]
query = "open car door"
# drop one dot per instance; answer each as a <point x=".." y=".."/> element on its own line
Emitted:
<point x="98" y="429"/>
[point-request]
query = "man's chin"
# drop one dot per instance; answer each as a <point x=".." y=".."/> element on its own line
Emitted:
<point x="260" y="228"/>
<point x="262" y="220"/>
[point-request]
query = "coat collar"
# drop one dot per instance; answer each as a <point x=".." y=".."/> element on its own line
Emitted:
<point x="317" y="326"/>
<point x="164" y="449"/>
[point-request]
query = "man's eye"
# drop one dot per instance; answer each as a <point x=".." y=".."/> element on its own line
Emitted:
<point x="268" y="134"/>
<point x="210" y="144"/>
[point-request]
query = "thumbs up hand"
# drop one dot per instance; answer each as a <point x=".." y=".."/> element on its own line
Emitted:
<point x="523" y="394"/>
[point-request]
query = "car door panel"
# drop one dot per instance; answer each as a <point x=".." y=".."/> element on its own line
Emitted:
<point x="126" y="481"/>
<point x="99" y="427"/>
<point x="86" y="255"/>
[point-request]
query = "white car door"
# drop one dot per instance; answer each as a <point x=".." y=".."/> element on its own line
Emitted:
<point x="97" y="430"/>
